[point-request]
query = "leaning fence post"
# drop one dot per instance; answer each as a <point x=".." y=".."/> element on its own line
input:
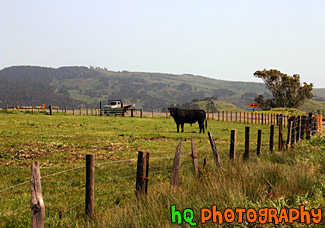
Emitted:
<point x="271" y="137"/>
<point x="214" y="149"/>
<point x="259" y="142"/>
<point x="37" y="203"/>
<point x="142" y="172"/>
<point x="176" y="167"/>
<point x="233" y="137"/>
<point x="246" y="153"/>
<point x="195" y="161"/>
<point x="90" y="184"/>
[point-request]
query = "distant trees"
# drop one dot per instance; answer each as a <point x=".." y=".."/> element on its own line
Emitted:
<point x="286" y="90"/>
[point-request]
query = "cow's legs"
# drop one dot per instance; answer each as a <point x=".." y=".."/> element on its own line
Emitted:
<point x="182" y="127"/>
<point x="177" y="127"/>
<point x="201" y="126"/>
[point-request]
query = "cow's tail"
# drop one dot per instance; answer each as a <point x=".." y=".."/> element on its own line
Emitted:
<point x="206" y="123"/>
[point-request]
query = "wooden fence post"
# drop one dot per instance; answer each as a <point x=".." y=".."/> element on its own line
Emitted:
<point x="293" y="130"/>
<point x="65" y="109"/>
<point x="91" y="111"/>
<point x="90" y="184"/>
<point x="236" y="117"/>
<point x="140" y="113"/>
<point x="51" y="110"/>
<point x="6" y="107"/>
<point x="176" y="167"/>
<point x="100" y="108"/>
<point x="166" y="113"/>
<point x="218" y="115"/>
<point x="298" y="130"/>
<point x="152" y="113"/>
<point x="239" y="117"/>
<point x="223" y="115"/>
<point x="86" y="111"/>
<point x="246" y="153"/>
<point x="308" y="126"/>
<point x="73" y="110"/>
<point x="271" y="137"/>
<point x="227" y="116"/>
<point x="244" y="117"/>
<point x="195" y="161"/>
<point x="303" y="127"/>
<point x="80" y="110"/>
<point x="214" y="149"/>
<point x="280" y="133"/>
<point x="37" y="203"/>
<point x="142" y="173"/>
<point x="233" y="138"/>
<point x="259" y="142"/>
<point x="289" y="133"/>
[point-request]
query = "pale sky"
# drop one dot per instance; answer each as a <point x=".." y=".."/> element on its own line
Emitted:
<point x="223" y="39"/>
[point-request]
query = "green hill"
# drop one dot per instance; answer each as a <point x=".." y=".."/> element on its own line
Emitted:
<point x="85" y="87"/>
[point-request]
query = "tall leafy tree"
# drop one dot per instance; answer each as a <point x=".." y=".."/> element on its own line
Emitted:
<point x="286" y="90"/>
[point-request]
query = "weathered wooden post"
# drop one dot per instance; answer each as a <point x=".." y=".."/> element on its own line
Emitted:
<point x="37" y="203"/>
<point x="218" y="115"/>
<point x="51" y="110"/>
<point x="259" y="142"/>
<point x="152" y="113"/>
<point x="233" y="138"/>
<point x="90" y="184"/>
<point x="166" y="113"/>
<point x="57" y="109"/>
<point x="236" y="117"/>
<point x="239" y="117"/>
<point x="298" y="135"/>
<point x="73" y="110"/>
<point x="100" y="108"/>
<point x="227" y="116"/>
<point x="268" y="119"/>
<point x="289" y="133"/>
<point x="308" y="126"/>
<point x="65" y="109"/>
<point x="142" y="173"/>
<point x="246" y="153"/>
<point x="280" y="133"/>
<point x="140" y="113"/>
<point x="86" y="111"/>
<point x="262" y="118"/>
<point x="256" y="118"/>
<point x="214" y="149"/>
<point x="91" y="111"/>
<point x="176" y="167"/>
<point x="195" y="160"/>
<point x="223" y="116"/>
<point x="6" y="107"/>
<point x="244" y="117"/>
<point x="293" y="130"/>
<point x="271" y="138"/>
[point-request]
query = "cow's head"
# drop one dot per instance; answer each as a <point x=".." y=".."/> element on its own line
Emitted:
<point x="172" y="111"/>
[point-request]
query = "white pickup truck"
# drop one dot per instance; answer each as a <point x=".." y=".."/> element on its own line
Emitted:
<point x="115" y="107"/>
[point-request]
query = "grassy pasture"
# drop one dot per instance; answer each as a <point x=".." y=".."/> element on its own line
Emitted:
<point x="60" y="142"/>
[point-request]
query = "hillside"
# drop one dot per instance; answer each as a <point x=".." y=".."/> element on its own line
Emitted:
<point x="85" y="87"/>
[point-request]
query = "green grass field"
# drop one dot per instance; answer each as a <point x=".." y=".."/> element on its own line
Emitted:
<point x="61" y="142"/>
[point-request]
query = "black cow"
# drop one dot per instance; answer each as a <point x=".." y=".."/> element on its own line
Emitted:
<point x="182" y="116"/>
